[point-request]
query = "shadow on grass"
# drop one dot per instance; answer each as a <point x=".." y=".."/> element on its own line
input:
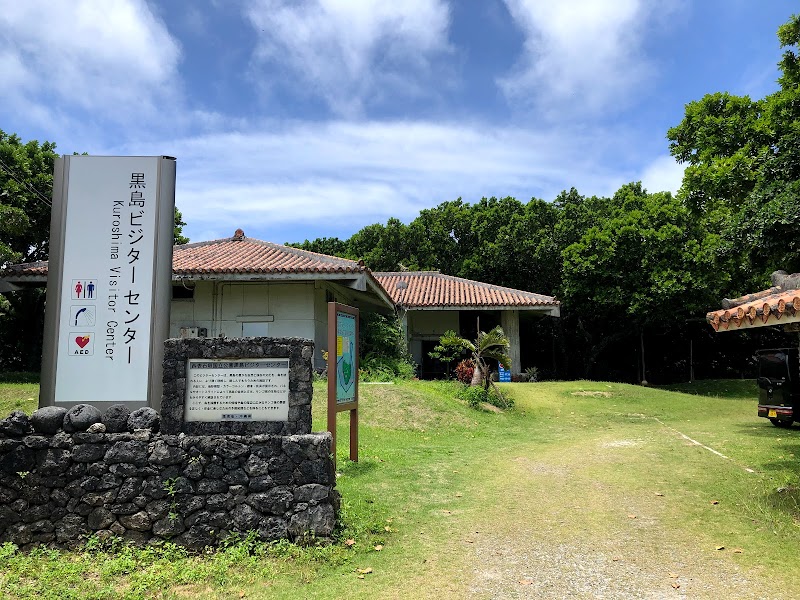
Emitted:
<point x="737" y="389"/>
<point x="352" y="469"/>
<point x="786" y="499"/>
<point x="768" y="430"/>
<point x="19" y="377"/>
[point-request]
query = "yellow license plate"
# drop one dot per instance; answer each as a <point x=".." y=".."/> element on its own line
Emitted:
<point x="772" y="413"/>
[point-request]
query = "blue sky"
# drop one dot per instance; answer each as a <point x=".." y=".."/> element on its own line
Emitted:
<point x="299" y="119"/>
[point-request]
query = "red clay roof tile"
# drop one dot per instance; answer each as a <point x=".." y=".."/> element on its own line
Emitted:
<point x="243" y="255"/>
<point x="231" y="255"/>
<point x="248" y="255"/>
<point x="768" y="309"/>
<point x="431" y="289"/>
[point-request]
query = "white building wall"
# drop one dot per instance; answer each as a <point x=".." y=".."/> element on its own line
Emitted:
<point x="431" y="324"/>
<point x="320" y="324"/>
<point x="273" y="309"/>
<point x="197" y="312"/>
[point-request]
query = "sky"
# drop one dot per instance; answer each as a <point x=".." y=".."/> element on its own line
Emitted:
<point x="298" y="119"/>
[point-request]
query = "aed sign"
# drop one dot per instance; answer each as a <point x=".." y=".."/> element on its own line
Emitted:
<point x="109" y="279"/>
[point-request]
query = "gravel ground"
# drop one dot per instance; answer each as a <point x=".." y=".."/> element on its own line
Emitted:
<point x="544" y="568"/>
<point x="541" y="548"/>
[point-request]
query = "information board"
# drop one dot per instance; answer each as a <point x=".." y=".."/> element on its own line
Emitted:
<point x="343" y="349"/>
<point x="247" y="390"/>
<point x="504" y="375"/>
<point x="345" y="357"/>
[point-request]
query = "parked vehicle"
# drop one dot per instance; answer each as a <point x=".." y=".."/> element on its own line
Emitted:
<point x="779" y="385"/>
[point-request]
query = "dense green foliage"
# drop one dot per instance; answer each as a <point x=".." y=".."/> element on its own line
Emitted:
<point x="476" y="396"/>
<point x="26" y="184"/>
<point x="615" y="263"/>
<point x="639" y="269"/>
<point x="743" y="170"/>
<point x="178" y="231"/>
<point x="384" y="356"/>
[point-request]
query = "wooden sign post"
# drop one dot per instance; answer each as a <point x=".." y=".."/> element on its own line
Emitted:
<point x="343" y="363"/>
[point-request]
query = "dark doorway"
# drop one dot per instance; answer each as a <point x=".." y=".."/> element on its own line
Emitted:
<point x="431" y="368"/>
<point x="468" y="322"/>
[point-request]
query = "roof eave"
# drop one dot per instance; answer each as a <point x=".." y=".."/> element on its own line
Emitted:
<point x="549" y="310"/>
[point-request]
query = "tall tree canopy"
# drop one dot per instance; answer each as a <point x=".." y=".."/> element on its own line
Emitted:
<point x="26" y="187"/>
<point x="743" y="170"/>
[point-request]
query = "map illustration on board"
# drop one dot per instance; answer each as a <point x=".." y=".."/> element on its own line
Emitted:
<point x="345" y="358"/>
<point x="344" y="364"/>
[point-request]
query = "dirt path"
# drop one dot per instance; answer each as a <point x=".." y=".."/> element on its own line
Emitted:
<point x="571" y="525"/>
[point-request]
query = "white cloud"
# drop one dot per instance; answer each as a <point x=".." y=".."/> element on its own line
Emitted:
<point x="349" y="53"/>
<point x="286" y="183"/>
<point x="111" y="58"/>
<point x="663" y="174"/>
<point x="583" y="55"/>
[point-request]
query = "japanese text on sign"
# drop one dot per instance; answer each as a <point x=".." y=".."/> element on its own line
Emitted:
<point x="246" y="390"/>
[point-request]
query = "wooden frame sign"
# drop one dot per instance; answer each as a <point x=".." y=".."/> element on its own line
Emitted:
<point x="343" y="364"/>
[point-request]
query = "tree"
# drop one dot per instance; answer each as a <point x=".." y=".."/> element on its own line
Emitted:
<point x="493" y="345"/>
<point x="178" y="237"/>
<point x="450" y="347"/>
<point x="331" y="246"/>
<point x="645" y="253"/>
<point x="743" y="170"/>
<point x="26" y="188"/>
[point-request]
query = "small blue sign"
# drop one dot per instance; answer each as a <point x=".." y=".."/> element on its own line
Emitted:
<point x="504" y="375"/>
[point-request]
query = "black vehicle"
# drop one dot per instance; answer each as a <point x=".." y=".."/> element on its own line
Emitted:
<point x="779" y="385"/>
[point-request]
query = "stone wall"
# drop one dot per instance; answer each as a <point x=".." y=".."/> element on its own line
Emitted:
<point x="178" y="351"/>
<point x="59" y="488"/>
<point x="67" y="474"/>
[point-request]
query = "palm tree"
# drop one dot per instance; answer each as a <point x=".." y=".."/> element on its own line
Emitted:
<point x="492" y="345"/>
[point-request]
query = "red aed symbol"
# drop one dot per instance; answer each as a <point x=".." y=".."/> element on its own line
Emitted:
<point x="82" y="340"/>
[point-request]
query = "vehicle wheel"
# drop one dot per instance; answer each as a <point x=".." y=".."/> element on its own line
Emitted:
<point x="781" y="423"/>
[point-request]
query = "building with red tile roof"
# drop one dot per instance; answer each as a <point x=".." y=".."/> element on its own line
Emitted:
<point x="430" y="303"/>
<point x="241" y="286"/>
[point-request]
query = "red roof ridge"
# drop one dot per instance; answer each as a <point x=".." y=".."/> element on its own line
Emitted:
<point x="299" y="252"/>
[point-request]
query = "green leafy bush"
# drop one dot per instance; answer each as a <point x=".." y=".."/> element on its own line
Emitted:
<point x="382" y="368"/>
<point x="473" y="395"/>
<point x="384" y="356"/>
<point x="477" y="395"/>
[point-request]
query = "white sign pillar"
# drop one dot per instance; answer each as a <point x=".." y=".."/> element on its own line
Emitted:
<point x="109" y="280"/>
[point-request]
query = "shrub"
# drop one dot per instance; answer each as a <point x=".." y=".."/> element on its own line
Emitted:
<point x="382" y="368"/>
<point x="384" y="356"/>
<point x="477" y="395"/>
<point x="464" y="371"/>
<point x="473" y="395"/>
<point x="498" y="399"/>
<point x="450" y="347"/>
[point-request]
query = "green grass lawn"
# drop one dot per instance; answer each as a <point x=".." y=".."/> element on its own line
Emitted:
<point x="619" y="475"/>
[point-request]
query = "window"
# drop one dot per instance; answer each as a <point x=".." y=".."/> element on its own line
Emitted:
<point x="181" y="292"/>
